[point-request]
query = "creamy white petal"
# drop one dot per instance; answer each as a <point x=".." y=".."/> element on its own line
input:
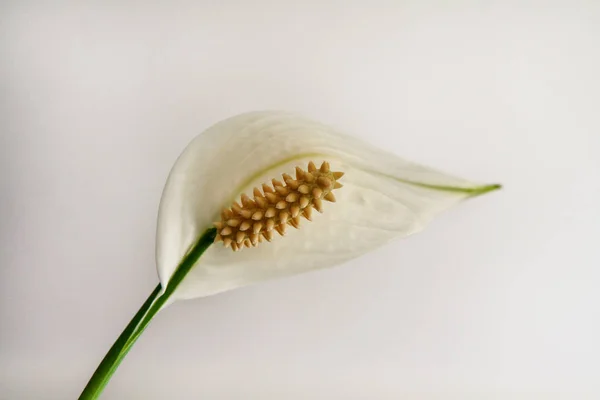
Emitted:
<point x="384" y="197"/>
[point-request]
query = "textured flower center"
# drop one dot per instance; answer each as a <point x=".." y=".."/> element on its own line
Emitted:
<point x="274" y="208"/>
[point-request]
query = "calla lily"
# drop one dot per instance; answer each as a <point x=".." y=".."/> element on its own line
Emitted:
<point x="250" y="184"/>
<point x="383" y="198"/>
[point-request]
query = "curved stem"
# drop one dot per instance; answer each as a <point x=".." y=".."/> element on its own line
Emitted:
<point x="142" y="318"/>
<point x="114" y="356"/>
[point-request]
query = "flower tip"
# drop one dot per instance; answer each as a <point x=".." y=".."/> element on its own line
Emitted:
<point x="240" y="236"/>
<point x="324" y="182"/>
<point x="304" y="202"/>
<point x="307" y="213"/>
<point x="267" y="189"/>
<point x="318" y="205"/>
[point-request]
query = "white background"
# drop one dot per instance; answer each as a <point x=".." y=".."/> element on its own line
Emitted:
<point x="499" y="298"/>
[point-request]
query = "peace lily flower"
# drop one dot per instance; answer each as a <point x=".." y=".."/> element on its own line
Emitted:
<point x="250" y="184"/>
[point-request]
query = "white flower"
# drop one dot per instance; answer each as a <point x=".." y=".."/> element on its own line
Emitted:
<point x="379" y="197"/>
<point x="383" y="198"/>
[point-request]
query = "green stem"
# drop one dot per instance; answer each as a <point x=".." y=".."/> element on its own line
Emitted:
<point x="142" y="318"/>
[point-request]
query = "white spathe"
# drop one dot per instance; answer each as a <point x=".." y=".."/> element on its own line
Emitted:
<point x="383" y="198"/>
